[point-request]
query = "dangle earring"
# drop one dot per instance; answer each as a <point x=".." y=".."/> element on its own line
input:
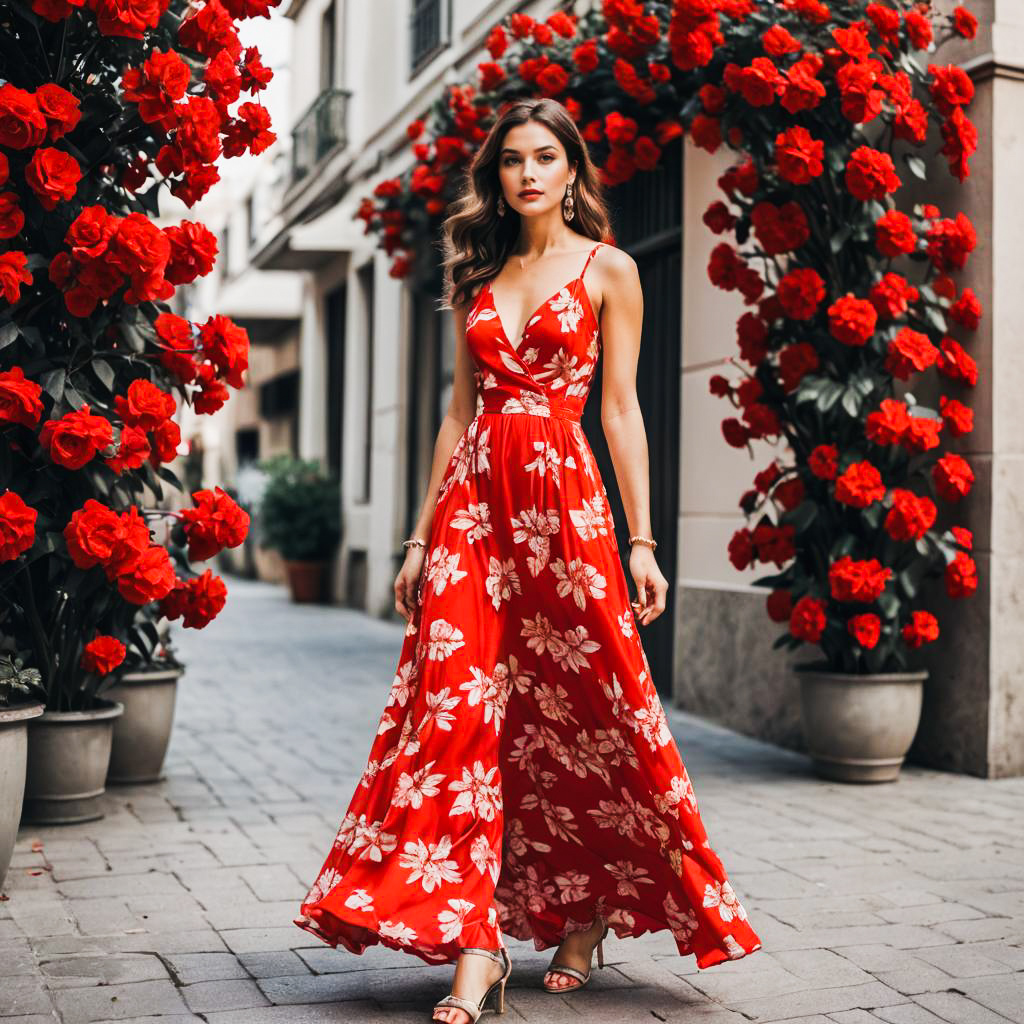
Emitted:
<point x="567" y="204"/>
<point x="501" y="206"/>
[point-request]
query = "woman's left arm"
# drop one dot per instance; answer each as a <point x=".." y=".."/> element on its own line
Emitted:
<point x="622" y="311"/>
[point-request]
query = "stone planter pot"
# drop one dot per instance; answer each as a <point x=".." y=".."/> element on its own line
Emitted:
<point x="68" y="755"/>
<point x="859" y="728"/>
<point x="13" y="758"/>
<point x="306" y="580"/>
<point x="143" y="732"/>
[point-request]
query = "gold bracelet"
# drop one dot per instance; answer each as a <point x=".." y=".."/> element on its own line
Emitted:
<point x="648" y="541"/>
<point x="414" y="542"/>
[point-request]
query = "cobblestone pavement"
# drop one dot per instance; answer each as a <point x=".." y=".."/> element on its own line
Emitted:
<point x="901" y="902"/>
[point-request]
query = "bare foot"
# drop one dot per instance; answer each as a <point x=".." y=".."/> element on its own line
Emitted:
<point x="576" y="950"/>
<point x="474" y="975"/>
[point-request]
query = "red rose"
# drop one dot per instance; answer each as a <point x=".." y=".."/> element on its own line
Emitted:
<point x="22" y="123"/>
<point x="922" y="434"/>
<point x="858" y="86"/>
<point x="887" y="22"/>
<point x="894" y="234"/>
<point x="55" y="10"/>
<point x="748" y="391"/>
<point x="215" y="523"/>
<point x="966" y="311"/>
<point x="962" y="536"/>
<point x="763" y="481"/>
<point x="719" y="386"/>
<point x="97" y="535"/>
<point x="193" y="252"/>
<point x="965" y="23"/>
<point x="950" y="242"/>
<point x="14" y="273"/>
<point x="780" y="605"/>
<point x="198" y="600"/>
<point x="760" y="82"/>
<point x="227" y="346"/>
<point x="17" y="526"/>
<point x="777" y="42"/>
<point x="741" y="549"/>
<point x="19" y="398"/>
<point x="888" y="423"/>
<point x="713" y="98"/>
<point x="103" y="654"/>
<point x="892" y="295"/>
<point x="960" y="143"/>
<point x="164" y="441"/>
<point x="909" y="351"/>
<point x="807" y="621"/>
<point x="210" y="397"/>
<point x="149" y="579"/>
<point x="801" y="292"/>
<point x="823" y="461"/>
<point x="724" y="266"/>
<point x="146" y="405"/>
<point x="706" y="132"/>
<point x="735" y="433"/>
<point x="774" y="543"/>
<point x="870" y="174"/>
<point x="752" y="335"/>
<point x="958" y="417"/>
<point x="789" y="493"/>
<point x="762" y="420"/>
<point x="953" y="477"/>
<point x="52" y="175"/>
<point x="911" y="122"/>
<point x="59" y="107"/>
<point x="142" y="251"/>
<point x="851" y="580"/>
<point x="950" y="87"/>
<point x="130" y="18"/>
<point x="12" y="218"/>
<point x="553" y="80"/>
<point x="860" y="485"/>
<point x="795" y="362"/>
<point x="799" y="156"/>
<point x="178" y="346"/>
<point x="852" y="321"/>
<point x="76" y="437"/>
<point x="865" y="629"/>
<point x="802" y="90"/>
<point x="132" y="450"/>
<point x="961" y="576"/>
<point x="620" y="131"/>
<point x="742" y="178"/>
<point x="853" y="41"/>
<point x="923" y="628"/>
<point x="718" y="218"/>
<point x="910" y="516"/>
<point x="813" y="11"/>
<point x="779" y="229"/>
<point x="919" y="29"/>
<point x="955" y="363"/>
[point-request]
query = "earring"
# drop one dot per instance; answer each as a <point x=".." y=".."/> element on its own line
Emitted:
<point x="568" y="204"/>
<point x="501" y="206"/>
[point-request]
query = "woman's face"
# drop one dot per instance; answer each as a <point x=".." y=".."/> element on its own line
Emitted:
<point x="533" y="169"/>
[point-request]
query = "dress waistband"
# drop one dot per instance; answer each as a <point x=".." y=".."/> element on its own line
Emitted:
<point x="551" y="409"/>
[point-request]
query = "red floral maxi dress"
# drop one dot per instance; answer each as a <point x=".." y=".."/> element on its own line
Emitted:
<point x="523" y="778"/>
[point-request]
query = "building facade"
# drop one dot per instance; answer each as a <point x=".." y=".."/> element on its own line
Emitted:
<point x="362" y="365"/>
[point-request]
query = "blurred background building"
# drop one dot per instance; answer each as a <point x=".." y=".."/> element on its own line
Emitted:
<point x="353" y="367"/>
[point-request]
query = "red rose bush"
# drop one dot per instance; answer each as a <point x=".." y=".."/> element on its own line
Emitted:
<point x="104" y="104"/>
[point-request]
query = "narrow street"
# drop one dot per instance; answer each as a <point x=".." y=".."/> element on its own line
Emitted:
<point x="901" y="903"/>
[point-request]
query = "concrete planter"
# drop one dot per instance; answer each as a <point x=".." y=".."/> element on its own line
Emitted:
<point x="859" y="728"/>
<point x="143" y="732"/>
<point x="307" y="580"/>
<point x="68" y="755"/>
<point x="13" y="757"/>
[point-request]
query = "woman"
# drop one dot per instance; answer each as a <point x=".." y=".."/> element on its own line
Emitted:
<point x="523" y="778"/>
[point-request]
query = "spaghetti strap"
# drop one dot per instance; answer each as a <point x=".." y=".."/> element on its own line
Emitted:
<point x="589" y="258"/>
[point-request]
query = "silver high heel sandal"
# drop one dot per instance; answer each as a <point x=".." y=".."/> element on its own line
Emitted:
<point x="476" y="1009"/>
<point x="572" y="972"/>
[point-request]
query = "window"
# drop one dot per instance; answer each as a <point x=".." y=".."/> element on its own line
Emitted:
<point x="429" y="28"/>
<point x="328" y="53"/>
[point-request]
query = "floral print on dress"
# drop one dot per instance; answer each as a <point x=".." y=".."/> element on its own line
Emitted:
<point x="523" y="779"/>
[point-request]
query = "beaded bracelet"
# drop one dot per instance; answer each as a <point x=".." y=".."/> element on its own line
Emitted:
<point x="648" y="541"/>
<point x="414" y="542"/>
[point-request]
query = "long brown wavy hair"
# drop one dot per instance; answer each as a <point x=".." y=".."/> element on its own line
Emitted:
<point x="476" y="240"/>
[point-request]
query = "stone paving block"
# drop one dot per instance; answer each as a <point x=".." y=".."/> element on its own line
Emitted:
<point x="32" y="1018"/>
<point x="16" y="957"/>
<point x="190" y="968"/>
<point x="116" y="1002"/>
<point x="248" y="912"/>
<point x="262" y="940"/>
<point x="273" y="965"/>
<point x="820" y="967"/>
<point x="42" y="919"/>
<point x="959" y="1009"/>
<point x="409" y="984"/>
<point x="908" y="1013"/>
<point x="853" y="1017"/>
<point x="1002" y="993"/>
<point x="912" y="980"/>
<point x="274" y="882"/>
<point x="83" y="971"/>
<point x="24" y="995"/>
<point x="208" y="996"/>
<point x="357" y="1012"/>
<point x="819" y="1000"/>
<point x="964" y="960"/>
<point x="931" y="913"/>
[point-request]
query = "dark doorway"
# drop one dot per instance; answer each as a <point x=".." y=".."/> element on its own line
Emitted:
<point x="335" y="367"/>
<point x="647" y="223"/>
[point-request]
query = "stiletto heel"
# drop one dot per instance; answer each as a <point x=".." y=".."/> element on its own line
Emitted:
<point x="497" y="989"/>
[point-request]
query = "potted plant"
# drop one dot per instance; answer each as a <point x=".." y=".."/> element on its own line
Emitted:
<point x="20" y="701"/>
<point x="849" y="353"/>
<point x="147" y="687"/>
<point x="300" y="518"/>
<point x="94" y="366"/>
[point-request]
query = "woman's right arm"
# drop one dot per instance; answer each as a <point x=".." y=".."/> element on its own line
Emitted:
<point x="460" y="413"/>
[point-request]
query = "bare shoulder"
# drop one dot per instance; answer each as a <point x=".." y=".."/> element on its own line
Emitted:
<point x="616" y="272"/>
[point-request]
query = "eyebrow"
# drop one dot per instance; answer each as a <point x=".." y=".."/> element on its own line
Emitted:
<point x="509" y="149"/>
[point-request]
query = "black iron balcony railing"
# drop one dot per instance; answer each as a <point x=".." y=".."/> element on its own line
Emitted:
<point x="321" y="129"/>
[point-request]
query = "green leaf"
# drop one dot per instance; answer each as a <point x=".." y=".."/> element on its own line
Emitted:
<point x="802" y="516"/>
<point x="889" y="604"/>
<point x="104" y="373"/>
<point x="840" y="238"/>
<point x="851" y="401"/>
<point x="917" y="166"/>
<point x="52" y="382"/>
<point x="829" y="396"/>
<point x="8" y="334"/>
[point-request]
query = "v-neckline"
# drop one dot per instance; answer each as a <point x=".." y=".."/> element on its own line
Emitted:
<point x="529" y="319"/>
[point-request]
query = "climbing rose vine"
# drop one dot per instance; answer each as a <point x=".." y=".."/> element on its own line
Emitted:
<point x="853" y="316"/>
<point x="103" y="104"/>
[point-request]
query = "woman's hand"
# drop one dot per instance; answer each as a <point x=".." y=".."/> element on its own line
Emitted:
<point x="407" y="582"/>
<point x="651" y="586"/>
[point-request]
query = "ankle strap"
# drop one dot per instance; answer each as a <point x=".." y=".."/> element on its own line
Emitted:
<point x="494" y="954"/>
